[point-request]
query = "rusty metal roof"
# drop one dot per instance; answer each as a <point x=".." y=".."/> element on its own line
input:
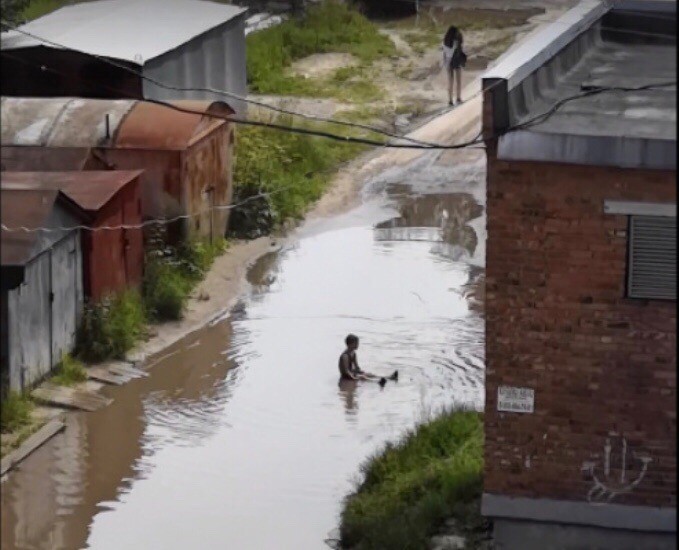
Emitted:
<point x="152" y="126"/>
<point x="27" y="208"/>
<point x="90" y="190"/>
<point x="75" y="122"/>
<point x="45" y="159"/>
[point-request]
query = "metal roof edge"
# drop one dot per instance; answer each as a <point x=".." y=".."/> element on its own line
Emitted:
<point x="535" y="51"/>
<point x="617" y="151"/>
<point x="242" y="13"/>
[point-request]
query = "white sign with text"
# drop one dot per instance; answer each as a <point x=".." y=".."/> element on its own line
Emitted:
<point x="519" y="400"/>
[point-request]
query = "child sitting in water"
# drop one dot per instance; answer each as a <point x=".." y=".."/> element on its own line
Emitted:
<point x="348" y="365"/>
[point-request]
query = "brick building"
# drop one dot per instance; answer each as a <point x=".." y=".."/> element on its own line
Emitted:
<point x="580" y="420"/>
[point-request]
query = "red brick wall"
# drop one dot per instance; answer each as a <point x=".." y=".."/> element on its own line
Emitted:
<point x="557" y="320"/>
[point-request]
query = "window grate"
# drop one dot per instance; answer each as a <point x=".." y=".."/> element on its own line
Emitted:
<point x="652" y="258"/>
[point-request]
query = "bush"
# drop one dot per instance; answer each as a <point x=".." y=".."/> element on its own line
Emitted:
<point x="15" y="412"/>
<point x="111" y="327"/>
<point x="166" y="290"/>
<point x="411" y="487"/>
<point x="69" y="371"/>
<point x="294" y="168"/>
<point x="329" y="27"/>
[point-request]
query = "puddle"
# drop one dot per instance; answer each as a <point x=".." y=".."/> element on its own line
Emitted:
<point x="243" y="437"/>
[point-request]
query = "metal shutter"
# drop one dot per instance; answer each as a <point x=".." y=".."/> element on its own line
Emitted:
<point x="652" y="258"/>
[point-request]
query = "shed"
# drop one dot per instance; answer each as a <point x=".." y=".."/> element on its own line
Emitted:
<point x="186" y="158"/>
<point x="42" y="290"/>
<point x="186" y="44"/>
<point x="113" y="259"/>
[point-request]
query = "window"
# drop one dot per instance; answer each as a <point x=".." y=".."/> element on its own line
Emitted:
<point x="652" y="253"/>
<point x="652" y="259"/>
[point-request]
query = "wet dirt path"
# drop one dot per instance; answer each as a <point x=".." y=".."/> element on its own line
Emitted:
<point x="242" y="437"/>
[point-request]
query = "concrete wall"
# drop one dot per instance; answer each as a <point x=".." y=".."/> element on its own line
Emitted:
<point x="603" y="367"/>
<point x="512" y="535"/>
<point x="215" y="59"/>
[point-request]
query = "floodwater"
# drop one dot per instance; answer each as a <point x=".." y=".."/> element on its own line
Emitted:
<point x="242" y="437"/>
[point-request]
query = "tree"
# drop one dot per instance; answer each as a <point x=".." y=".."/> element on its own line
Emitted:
<point x="12" y="11"/>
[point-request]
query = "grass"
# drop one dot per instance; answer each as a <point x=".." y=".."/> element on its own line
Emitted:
<point x="69" y="372"/>
<point x="38" y="8"/>
<point x="436" y="22"/>
<point x="328" y="27"/>
<point x="294" y="168"/>
<point x="15" y="412"/>
<point x="411" y="487"/>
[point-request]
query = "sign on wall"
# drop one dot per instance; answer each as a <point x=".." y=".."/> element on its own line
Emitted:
<point x="519" y="400"/>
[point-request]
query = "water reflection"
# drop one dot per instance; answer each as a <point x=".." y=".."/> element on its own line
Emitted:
<point x="242" y="436"/>
<point x="347" y="392"/>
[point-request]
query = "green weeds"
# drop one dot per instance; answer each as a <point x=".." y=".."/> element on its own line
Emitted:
<point x="294" y="169"/>
<point x="15" y="412"/>
<point x="411" y="487"/>
<point x="69" y="372"/>
<point x="328" y="27"/>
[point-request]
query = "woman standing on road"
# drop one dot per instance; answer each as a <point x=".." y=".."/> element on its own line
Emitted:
<point x="453" y="61"/>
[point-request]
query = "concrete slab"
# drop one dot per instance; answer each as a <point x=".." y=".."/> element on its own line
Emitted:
<point x="49" y="430"/>
<point x="71" y="398"/>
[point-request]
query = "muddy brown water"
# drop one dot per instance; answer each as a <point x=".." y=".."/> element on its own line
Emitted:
<point x="242" y="436"/>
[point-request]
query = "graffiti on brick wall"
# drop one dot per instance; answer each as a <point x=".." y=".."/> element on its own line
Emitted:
<point x="619" y="473"/>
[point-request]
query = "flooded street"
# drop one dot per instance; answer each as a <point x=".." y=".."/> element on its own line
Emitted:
<point x="242" y="437"/>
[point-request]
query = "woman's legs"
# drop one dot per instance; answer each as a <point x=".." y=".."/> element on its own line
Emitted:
<point x="458" y="82"/>
<point x="450" y="72"/>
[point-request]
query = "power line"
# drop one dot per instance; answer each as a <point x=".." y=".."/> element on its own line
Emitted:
<point x="270" y="125"/>
<point x="147" y="223"/>
<point x="594" y="90"/>
<point x="224" y="93"/>
<point x="247" y="122"/>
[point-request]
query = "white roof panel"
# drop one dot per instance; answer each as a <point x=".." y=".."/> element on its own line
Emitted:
<point x="129" y="30"/>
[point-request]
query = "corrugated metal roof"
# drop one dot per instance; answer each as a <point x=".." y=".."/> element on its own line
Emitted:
<point x="91" y="191"/>
<point x="60" y="122"/>
<point x="28" y="208"/>
<point x="46" y="159"/>
<point x="130" y="30"/>
<point x="74" y="122"/>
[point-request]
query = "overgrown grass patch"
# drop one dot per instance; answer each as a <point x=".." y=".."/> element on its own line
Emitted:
<point x="111" y="327"/>
<point x="171" y="273"/>
<point x="411" y="487"/>
<point x="15" y="411"/>
<point x="293" y="169"/>
<point x="69" y="372"/>
<point x="328" y="27"/>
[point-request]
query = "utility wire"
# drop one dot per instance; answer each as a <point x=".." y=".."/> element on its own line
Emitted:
<point x="248" y="122"/>
<point x="147" y="223"/>
<point x="594" y="90"/>
<point x="224" y="93"/>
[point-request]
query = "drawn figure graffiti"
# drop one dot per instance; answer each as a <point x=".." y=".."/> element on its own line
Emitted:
<point x="608" y="487"/>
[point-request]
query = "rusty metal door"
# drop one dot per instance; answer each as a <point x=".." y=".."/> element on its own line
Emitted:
<point x="63" y="296"/>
